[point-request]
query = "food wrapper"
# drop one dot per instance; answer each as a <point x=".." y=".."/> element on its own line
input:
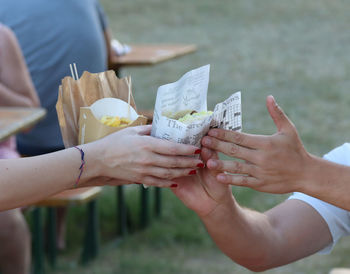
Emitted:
<point x="81" y="103"/>
<point x="189" y="93"/>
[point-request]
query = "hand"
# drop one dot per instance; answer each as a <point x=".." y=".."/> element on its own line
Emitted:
<point x="202" y="193"/>
<point x="134" y="156"/>
<point x="274" y="164"/>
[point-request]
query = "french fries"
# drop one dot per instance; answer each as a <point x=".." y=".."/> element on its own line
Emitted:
<point x="115" y="121"/>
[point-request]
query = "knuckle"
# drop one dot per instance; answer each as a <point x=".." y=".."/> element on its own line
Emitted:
<point x="144" y="160"/>
<point x="221" y="134"/>
<point x="176" y="162"/>
<point x="233" y="150"/>
<point x="238" y="167"/>
<point x="244" y="180"/>
<point x="237" y="138"/>
<point x="166" y="174"/>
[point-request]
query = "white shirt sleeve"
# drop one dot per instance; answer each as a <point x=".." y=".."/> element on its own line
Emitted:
<point x="337" y="219"/>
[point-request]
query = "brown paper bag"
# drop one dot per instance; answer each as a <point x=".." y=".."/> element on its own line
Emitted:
<point x="82" y="93"/>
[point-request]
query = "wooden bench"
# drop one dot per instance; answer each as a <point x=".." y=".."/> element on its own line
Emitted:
<point x="340" y="271"/>
<point x="78" y="196"/>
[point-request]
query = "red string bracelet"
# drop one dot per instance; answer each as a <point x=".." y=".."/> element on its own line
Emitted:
<point x="81" y="166"/>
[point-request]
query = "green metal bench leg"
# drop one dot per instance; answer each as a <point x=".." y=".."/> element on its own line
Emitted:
<point x="91" y="241"/>
<point x="52" y="248"/>
<point x="38" y="243"/>
<point x="121" y="209"/>
<point x="144" y="218"/>
<point x="158" y="201"/>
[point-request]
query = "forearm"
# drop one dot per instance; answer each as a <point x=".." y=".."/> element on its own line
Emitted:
<point x="327" y="181"/>
<point x="246" y="236"/>
<point x="110" y="52"/>
<point x="26" y="180"/>
<point x="288" y="232"/>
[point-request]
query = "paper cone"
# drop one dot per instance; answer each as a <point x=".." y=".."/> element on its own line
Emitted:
<point x="74" y="94"/>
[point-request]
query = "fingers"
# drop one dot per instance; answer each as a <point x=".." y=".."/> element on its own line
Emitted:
<point x="169" y="173"/>
<point x="154" y="181"/>
<point x="143" y="130"/>
<point x="229" y="149"/>
<point x="171" y="148"/>
<point x="208" y="154"/>
<point x="231" y="167"/>
<point x="239" y="138"/>
<point x="280" y="119"/>
<point x="175" y="161"/>
<point x="237" y="180"/>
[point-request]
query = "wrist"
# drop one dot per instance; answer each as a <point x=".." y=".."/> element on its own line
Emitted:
<point x="221" y="211"/>
<point x="92" y="167"/>
<point x="311" y="174"/>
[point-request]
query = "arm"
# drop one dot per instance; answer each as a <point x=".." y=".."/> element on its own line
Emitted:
<point x="111" y="55"/>
<point x="127" y="156"/>
<point x="278" y="163"/>
<point x="258" y="241"/>
<point x="16" y="87"/>
<point x="107" y="34"/>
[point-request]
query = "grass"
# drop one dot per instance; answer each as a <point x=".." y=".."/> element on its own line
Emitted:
<point x="296" y="50"/>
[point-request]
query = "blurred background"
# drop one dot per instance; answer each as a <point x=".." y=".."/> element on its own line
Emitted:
<point x="296" y="50"/>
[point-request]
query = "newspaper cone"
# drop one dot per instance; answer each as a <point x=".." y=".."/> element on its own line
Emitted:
<point x="189" y="94"/>
<point x="82" y="93"/>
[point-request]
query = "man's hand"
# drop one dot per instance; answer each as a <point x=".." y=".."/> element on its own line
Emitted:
<point x="275" y="164"/>
<point x="202" y="193"/>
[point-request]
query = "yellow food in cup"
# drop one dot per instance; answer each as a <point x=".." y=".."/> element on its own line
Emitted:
<point x="115" y="121"/>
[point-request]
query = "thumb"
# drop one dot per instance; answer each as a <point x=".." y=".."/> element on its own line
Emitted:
<point x="278" y="116"/>
<point x="143" y="130"/>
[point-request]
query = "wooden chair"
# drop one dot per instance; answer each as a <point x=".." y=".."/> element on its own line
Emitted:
<point x="79" y="196"/>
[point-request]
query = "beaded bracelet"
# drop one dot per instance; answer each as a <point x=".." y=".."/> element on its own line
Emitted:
<point x="81" y="166"/>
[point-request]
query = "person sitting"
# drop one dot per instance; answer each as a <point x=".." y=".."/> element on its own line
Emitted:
<point x="16" y="90"/>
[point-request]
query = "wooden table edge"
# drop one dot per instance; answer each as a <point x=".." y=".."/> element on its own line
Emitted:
<point x="34" y="119"/>
<point x="190" y="48"/>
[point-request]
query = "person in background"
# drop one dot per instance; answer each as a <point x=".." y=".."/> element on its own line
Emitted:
<point x="292" y="230"/>
<point x="52" y="35"/>
<point x="16" y="90"/>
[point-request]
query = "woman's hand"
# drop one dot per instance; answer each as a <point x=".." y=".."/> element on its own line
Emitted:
<point x="276" y="164"/>
<point x="134" y="156"/>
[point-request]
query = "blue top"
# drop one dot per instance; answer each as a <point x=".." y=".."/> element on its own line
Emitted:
<point x="53" y="34"/>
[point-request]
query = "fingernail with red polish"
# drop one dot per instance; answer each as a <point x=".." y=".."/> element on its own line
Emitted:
<point x="200" y="165"/>
<point x="173" y="185"/>
<point x="198" y="151"/>
<point x="192" y="172"/>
